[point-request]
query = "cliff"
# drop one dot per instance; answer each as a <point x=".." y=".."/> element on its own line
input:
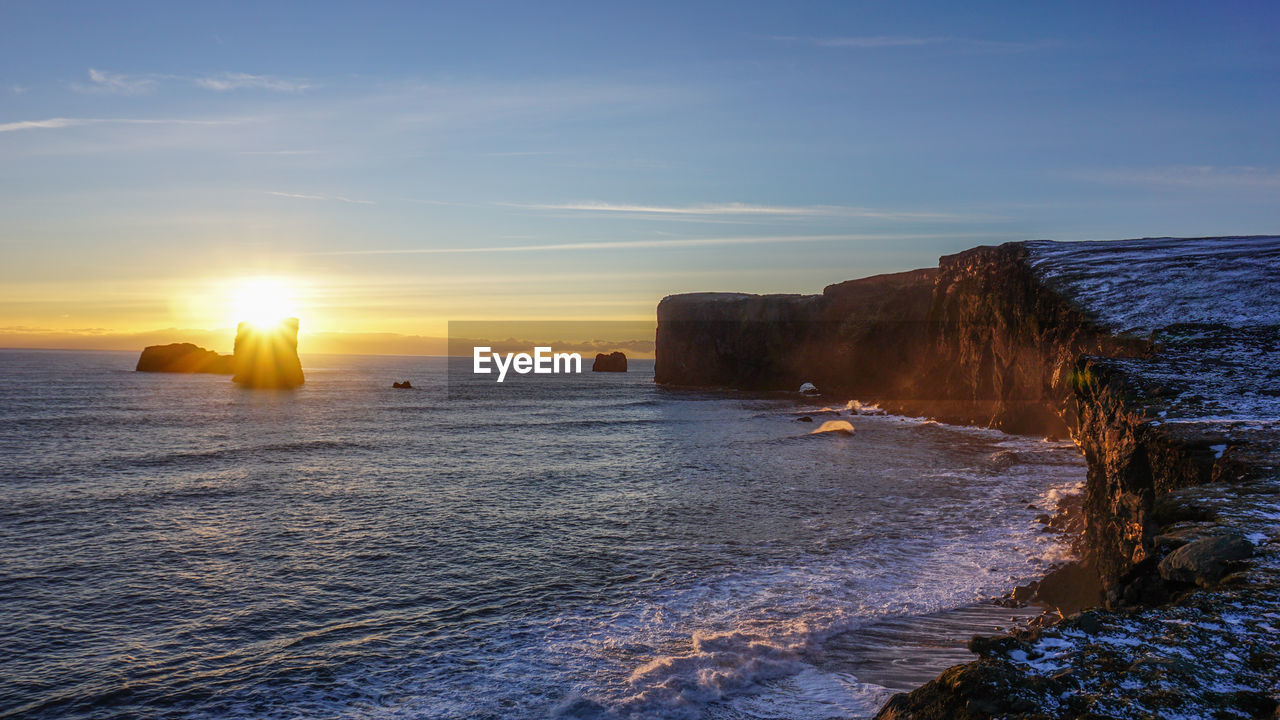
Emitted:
<point x="857" y="337"/>
<point x="184" y="358"/>
<point x="1159" y="357"/>
<point x="267" y="356"/>
<point x="979" y="340"/>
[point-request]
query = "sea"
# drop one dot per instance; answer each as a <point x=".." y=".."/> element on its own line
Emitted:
<point x="578" y="546"/>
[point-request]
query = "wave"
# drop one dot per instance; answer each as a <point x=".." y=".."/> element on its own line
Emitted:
<point x="843" y="427"/>
<point x="758" y="643"/>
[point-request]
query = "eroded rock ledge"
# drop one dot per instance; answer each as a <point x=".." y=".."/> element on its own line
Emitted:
<point x="1160" y="357"/>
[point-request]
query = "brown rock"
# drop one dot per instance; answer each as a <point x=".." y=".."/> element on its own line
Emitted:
<point x="1071" y="588"/>
<point x="613" y="362"/>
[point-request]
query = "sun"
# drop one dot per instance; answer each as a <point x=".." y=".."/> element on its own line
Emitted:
<point x="263" y="301"/>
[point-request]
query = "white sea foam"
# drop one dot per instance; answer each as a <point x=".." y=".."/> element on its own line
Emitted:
<point x="743" y="646"/>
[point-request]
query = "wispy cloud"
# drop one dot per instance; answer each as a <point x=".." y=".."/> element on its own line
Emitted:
<point x="899" y="41"/>
<point x="277" y="152"/>
<point x="40" y="124"/>
<point x="18" y="89"/>
<point x="668" y="243"/>
<point x="523" y="153"/>
<point x="330" y="198"/>
<point x="114" y="83"/>
<point x="739" y="210"/>
<point x="235" y="81"/>
<point x="1187" y="176"/>
<point x="61" y="122"/>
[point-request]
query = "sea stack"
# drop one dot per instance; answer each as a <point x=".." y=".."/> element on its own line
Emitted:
<point x="184" y="358"/>
<point x="267" y="355"/>
<point x="613" y="362"/>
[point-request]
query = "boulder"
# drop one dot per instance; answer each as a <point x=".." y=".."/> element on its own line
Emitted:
<point x="184" y="358"/>
<point x="1204" y="562"/>
<point x="974" y="691"/>
<point x="267" y="355"/>
<point x="613" y="362"/>
<point x="1071" y="587"/>
<point x="406" y="385"/>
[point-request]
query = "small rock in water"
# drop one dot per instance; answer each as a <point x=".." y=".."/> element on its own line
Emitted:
<point x="402" y="385"/>
<point x="804" y="418"/>
<point x="613" y="362"/>
<point x="1003" y="459"/>
<point x="808" y="389"/>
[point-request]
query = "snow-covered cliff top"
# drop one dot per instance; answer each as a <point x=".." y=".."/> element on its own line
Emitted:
<point x="1212" y="306"/>
<point x="1138" y="286"/>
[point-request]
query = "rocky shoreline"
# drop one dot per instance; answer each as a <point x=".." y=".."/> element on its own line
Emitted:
<point x="1159" y="357"/>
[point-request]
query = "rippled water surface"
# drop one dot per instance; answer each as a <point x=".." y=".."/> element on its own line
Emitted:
<point x="587" y="547"/>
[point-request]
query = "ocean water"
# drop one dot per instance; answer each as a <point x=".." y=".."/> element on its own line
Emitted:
<point x="587" y="547"/>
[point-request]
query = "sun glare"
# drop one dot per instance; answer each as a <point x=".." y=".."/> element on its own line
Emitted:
<point x="263" y="301"/>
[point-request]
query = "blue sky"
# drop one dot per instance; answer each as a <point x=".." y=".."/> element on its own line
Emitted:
<point x="403" y="164"/>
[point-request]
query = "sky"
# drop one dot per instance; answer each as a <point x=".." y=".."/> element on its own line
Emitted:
<point x="396" y="166"/>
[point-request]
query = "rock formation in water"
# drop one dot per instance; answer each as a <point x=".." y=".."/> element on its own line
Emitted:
<point x="613" y="362"/>
<point x="1159" y="357"/>
<point x="184" y="358"/>
<point x="266" y="356"/>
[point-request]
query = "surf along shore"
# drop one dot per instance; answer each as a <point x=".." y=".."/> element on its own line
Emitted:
<point x="1160" y="358"/>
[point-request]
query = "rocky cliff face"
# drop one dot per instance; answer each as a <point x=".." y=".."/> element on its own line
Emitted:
<point x="855" y="338"/>
<point x="980" y="340"/>
<point x="1160" y="357"/>
<point x="1004" y="345"/>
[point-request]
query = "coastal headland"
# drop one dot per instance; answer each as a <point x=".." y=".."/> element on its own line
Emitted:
<point x="1159" y="358"/>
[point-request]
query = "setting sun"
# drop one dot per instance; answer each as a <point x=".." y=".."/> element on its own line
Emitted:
<point x="263" y="300"/>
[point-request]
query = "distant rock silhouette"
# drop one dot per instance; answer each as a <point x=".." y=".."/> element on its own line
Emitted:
<point x="267" y="356"/>
<point x="613" y="362"/>
<point x="184" y="358"/>
<point x="406" y="385"/>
